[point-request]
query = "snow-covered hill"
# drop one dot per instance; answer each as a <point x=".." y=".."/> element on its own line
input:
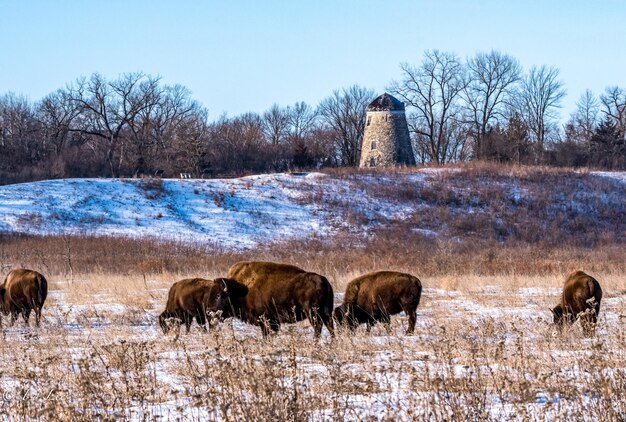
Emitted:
<point x="231" y="213"/>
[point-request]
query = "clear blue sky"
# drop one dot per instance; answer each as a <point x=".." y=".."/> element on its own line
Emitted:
<point x="238" y="56"/>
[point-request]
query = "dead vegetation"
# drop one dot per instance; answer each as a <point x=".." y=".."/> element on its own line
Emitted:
<point x="484" y="348"/>
<point x="484" y="354"/>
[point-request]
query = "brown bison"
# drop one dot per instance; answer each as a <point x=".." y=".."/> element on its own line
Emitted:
<point x="23" y="291"/>
<point x="378" y="295"/>
<point x="581" y="299"/>
<point x="197" y="298"/>
<point x="281" y="293"/>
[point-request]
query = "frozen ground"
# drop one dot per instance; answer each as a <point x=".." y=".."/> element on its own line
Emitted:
<point x="470" y="352"/>
<point x="233" y="213"/>
<point x="229" y="212"/>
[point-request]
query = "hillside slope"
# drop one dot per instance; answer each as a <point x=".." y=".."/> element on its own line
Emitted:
<point x="254" y="210"/>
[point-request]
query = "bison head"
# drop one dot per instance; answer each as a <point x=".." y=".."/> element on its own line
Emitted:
<point x="557" y="313"/>
<point x="163" y="322"/>
<point x="344" y="315"/>
<point x="562" y="316"/>
<point x="228" y="296"/>
<point x="340" y="314"/>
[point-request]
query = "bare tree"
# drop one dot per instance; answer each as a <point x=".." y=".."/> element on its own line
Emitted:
<point x="614" y="106"/>
<point x="275" y="125"/>
<point x="433" y="91"/>
<point x="302" y="119"/>
<point x="344" y="112"/>
<point x="56" y="112"/>
<point x="107" y="109"/>
<point x="491" y="78"/>
<point x="156" y="132"/>
<point x="189" y="143"/>
<point x="537" y="100"/>
<point x="584" y="120"/>
<point x="21" y="149"/>
<point x="237" y="145"/>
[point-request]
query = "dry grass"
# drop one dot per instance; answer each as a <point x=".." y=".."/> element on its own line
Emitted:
<point x="542" y="206"/>
<point x="483" y="350"/>
<point x="69" y="259"/>
<point x="483" y="353"/>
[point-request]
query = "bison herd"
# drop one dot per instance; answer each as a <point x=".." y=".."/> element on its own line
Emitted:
<point x="269" y="294"/>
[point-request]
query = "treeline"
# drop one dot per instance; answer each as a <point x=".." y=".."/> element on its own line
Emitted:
<point x="488" y="108"/>
<point x="485" y="107"/>
<point x="135" y="125"/>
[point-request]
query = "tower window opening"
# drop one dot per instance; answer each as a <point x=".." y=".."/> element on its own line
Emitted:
<point x="373" y="162"/>
<point x="373" y="145"/>
<point x="369" y="119"/>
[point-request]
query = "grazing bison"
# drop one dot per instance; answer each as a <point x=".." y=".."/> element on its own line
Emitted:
<point x="196" y="298"/>
<point x="378" y="295"/>
<point x="581" y="299"/>
<point x="281" y="293"/>
<point x="23" y="291"/>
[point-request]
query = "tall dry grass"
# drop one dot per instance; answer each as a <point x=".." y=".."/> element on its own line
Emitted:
<point x="72" y="259"/>
<point x="475" y="356"/>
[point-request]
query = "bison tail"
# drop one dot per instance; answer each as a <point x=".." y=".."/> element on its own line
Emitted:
<point x="42" y="289"/>
<point x="595" y="294"/>
<point x="418" y="284"/>
<point x="330" y="300"/>
<point x="330" y="303"/>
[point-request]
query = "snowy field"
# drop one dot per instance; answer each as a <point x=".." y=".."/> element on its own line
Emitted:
<point x="484" y="347"/>
<point x="234" y="213"/>
<point x="488" y="354"/>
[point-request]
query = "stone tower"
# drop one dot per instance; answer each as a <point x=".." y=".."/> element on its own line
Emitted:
<point x="386" y="140"/>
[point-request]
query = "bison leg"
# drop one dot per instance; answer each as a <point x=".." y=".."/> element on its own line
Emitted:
<point x="353" y="323"/>
<point x="37" y="316"/>
<point x="315" y="320"/>
<point x="412" y="319"/>
<point x="14" y="316"/>
<point x="588" y="322"/>
<point x="410" y="310"/>
<point x="188" y="320"/>
<point x="26" y="315"/>
<point x="328" y="322"/>
<point x="317" y="324"/>
<point x="201" y="320"/>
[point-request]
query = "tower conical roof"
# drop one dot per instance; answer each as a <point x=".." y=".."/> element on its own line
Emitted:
<point x="386" y="102"/>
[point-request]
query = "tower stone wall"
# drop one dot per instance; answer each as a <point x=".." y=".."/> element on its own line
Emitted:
<point x="386" y="140"/>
